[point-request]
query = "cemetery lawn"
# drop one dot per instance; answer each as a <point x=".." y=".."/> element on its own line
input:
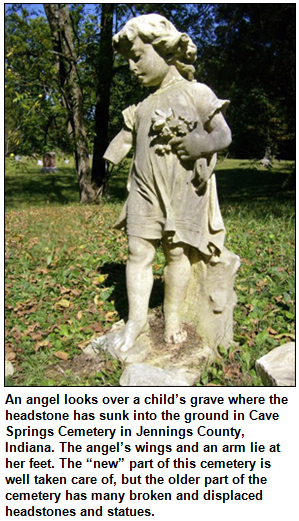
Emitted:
<point x="65" y="272"/>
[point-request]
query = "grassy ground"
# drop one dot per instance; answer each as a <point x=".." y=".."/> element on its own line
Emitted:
<point x="65" y="271"/>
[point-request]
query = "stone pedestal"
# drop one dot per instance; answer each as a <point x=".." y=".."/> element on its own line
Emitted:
<point x="211" y="298"/>
<point x="208" y="316"/>
<point x="152" y="362"/>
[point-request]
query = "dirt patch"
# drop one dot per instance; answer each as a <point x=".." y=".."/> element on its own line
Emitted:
<point x="150" y="348"/>
<point x="82" y="367"/>
<point x="79" y="365"/>
<point x="176" y="351"/>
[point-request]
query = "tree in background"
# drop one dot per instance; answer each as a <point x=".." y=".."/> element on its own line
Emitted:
<point x="105" y="75"/>
<point x="34" y="121"/>
<point x="251" y="60"/>
<point x="72" y="93"/>
<point x="66" y="91"/>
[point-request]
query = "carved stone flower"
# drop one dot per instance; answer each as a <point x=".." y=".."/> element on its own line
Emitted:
<point x="166" y="126"/>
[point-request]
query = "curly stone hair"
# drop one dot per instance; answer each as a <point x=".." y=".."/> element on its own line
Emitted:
<point x="174" y="47"/>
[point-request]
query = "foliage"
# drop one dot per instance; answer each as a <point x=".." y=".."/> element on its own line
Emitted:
<point x="251" y="61"/>
<point x="65" y="272"/>
<point x="36" y="118"/>
<point x="32" y="116"/>
<point x="246" y="53"/>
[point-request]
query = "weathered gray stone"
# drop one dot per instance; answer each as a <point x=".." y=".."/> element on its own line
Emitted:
<point x="171" y="365"/>
<point x="211" y="298"/>
<point x="148" y="375"/>
<point x="277" y="368"/>
<point x="9" y="369"/>
<point x="176" y="132"/>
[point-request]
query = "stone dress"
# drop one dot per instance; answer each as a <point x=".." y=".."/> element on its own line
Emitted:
<point x="167" y="195"/>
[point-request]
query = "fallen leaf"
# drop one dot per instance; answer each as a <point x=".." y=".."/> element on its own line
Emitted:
<point x="64" y="290"/>
<point x="36" y="336"/>
<point x="44" y="343"/>
<point x="83" y="344"/>
<point x="16" y="334"/>
<point x="92" y="309"/>
<point x="30" y="329"/>
<point x="63" y="303"/>
<point x="97" y="300"/>
<point x="232" y="371"/>
<point x="108" y="367"/>
<point x="110" y="316"/>
<point x="99" y="279"/>
<point x="286" y="335"/>
<point x="76" y="292"/>
<point x="10" y="356"/>
<point x="61" y="355"/>
<point x="97" y="328"/>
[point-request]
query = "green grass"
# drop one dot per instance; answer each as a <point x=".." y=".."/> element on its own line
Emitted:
<point x="26" y="185"/>
<point x="65" y="271"/>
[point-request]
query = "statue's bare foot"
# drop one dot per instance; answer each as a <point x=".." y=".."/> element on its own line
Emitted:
<point x="125" y="339"/>
<point x="174" y="331"/>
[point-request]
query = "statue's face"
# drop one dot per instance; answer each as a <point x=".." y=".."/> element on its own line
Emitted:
<point x="147" y="64"/>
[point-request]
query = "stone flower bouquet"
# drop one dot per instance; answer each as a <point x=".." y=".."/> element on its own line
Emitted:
<point x="167" y="127"/>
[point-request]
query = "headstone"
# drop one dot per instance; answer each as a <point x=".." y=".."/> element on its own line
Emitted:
<point x="266" y="161"/>
<point x="49" y="163"/>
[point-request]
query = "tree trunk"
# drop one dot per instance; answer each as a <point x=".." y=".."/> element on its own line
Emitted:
<point x="72" y="97"/>
<point x="101" y="139"/>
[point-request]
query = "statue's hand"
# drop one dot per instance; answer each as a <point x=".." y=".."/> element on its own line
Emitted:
<point x="200" y="143"/>
<point x="192" y="146"/>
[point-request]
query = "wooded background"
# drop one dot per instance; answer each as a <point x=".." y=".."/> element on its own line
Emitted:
<point x="65" y="89"/>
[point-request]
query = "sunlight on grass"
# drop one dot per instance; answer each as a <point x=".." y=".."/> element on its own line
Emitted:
<point x="65" y="270"/>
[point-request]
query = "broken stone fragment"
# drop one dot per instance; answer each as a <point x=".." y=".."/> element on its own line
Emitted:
<point x="211" y="298"/>
<point x="148" y="375"/>
<point x="277" y="368"/>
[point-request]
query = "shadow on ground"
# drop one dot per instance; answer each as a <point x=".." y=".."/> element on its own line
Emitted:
<point x="236" y="184"/>
<point x="251" y="184"/>
<point x="37" y="188"/>
<point x="117" y="278"/>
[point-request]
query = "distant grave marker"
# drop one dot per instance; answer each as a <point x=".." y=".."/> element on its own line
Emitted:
<point x="49" y="163"/>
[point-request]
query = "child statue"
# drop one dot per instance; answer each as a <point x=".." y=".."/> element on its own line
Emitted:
<point x="176" y="132"/>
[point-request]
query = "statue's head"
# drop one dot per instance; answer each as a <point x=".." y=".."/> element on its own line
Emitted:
<point x="174" y="47"/>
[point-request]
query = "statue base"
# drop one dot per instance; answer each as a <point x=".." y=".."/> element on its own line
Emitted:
<point x="208" y="318"/>
<point x="152" y="362"/>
